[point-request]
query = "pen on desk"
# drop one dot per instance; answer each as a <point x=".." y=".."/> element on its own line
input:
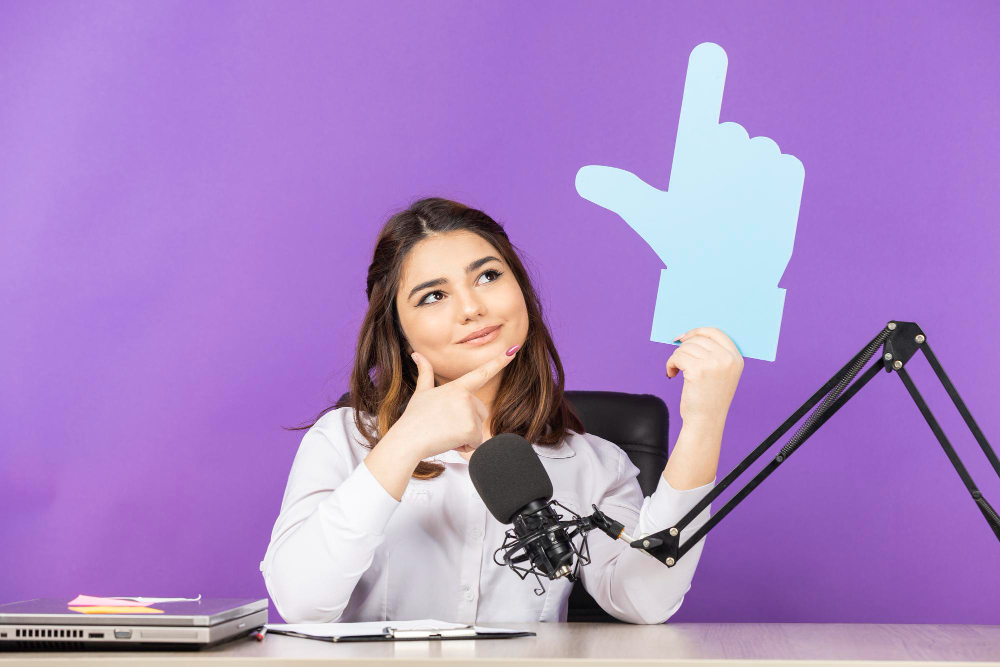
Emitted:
<point x="259" y="634"/>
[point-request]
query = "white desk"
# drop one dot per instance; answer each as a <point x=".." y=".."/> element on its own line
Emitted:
<point x="600" y="645"/>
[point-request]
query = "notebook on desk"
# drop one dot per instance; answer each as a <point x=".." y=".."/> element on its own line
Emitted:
<point x="371" y="631"/>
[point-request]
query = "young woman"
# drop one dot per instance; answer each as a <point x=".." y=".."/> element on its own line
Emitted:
<point x="380" y="520"/>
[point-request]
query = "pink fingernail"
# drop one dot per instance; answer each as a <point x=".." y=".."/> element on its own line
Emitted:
<point x="512" y="350"/>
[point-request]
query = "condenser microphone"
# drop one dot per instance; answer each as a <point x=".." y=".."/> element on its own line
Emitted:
<point x="516" y="489"/>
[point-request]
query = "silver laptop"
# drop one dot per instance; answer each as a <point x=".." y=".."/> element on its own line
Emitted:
<point x="49" y="624"/>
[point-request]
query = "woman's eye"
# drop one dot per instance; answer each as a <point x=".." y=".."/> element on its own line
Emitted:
<point x="424" y="301"/>
<point x="495" y="272"/>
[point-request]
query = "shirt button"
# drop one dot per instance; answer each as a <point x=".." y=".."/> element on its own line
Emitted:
<point x="476" y="533"/>
<point x="469" y="595"/>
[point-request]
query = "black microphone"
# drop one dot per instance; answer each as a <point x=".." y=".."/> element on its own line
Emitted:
<point x="516" y="489"/>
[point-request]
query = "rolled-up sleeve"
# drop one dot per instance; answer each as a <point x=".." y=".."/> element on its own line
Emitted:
<point x="332" y="519"/>
<point x="627" y="583"/>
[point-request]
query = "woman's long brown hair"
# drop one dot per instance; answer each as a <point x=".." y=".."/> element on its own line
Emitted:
<point x="529" y="400"/>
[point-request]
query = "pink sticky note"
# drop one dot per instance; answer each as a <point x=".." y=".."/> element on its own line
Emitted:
<point x="115" y="610"/>
<point x="89" y="600"/>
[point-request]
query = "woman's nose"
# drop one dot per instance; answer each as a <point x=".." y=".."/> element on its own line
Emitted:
<point x="471" y="304"/>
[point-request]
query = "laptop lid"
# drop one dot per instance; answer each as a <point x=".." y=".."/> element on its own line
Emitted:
<point x="49" y="623"/>
<point x="204" y="612"/>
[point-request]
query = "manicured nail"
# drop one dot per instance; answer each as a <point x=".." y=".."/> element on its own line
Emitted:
<point x="677" y="338"/>
<point x="512" y="350"/>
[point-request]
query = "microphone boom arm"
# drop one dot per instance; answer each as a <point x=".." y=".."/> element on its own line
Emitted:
<point x="900" y="342"/>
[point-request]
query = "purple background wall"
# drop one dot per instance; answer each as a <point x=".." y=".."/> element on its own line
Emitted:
<point x="189" y="194"/>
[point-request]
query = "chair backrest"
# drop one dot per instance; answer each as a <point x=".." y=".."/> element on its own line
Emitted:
<point x="639" y="424"/>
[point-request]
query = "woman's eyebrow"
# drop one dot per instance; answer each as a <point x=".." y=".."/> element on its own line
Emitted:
<point x="441" y="281"/>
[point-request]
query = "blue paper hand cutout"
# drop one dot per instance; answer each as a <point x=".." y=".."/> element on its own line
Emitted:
<point x="725" y="226"/>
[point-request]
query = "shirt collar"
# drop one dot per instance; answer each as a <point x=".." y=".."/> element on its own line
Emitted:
<point x="560" y="451"/>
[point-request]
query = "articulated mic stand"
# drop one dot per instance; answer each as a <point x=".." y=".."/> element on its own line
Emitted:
<point x="900" y="341"/>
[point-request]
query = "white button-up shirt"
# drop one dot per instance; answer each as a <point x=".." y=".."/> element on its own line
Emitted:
<point x="344" y="550"/>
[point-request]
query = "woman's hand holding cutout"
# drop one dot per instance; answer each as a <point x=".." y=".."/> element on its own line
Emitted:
<point x="712" y="366"/>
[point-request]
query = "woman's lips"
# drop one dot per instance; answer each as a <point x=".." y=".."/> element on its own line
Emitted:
<point x="483" y="340"/>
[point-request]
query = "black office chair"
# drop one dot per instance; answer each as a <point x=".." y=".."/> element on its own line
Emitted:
<point x="639" y="424"/>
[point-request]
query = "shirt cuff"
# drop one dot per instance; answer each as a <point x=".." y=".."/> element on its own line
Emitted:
<point x="367" y="504"/>
<point x="668" y="505"/>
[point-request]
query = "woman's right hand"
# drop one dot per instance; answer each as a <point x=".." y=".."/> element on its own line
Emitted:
<point x="438" y="419"/>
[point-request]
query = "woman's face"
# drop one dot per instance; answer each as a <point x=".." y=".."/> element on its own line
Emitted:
<point x="476" y="290"/>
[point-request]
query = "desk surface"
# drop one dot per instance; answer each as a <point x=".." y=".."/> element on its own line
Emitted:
<point x="602" y="644"/>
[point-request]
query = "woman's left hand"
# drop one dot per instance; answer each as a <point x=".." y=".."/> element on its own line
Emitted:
<point x="712" y="366"/>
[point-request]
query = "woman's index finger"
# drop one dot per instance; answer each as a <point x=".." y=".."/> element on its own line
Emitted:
<point x="477" y="377"/>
